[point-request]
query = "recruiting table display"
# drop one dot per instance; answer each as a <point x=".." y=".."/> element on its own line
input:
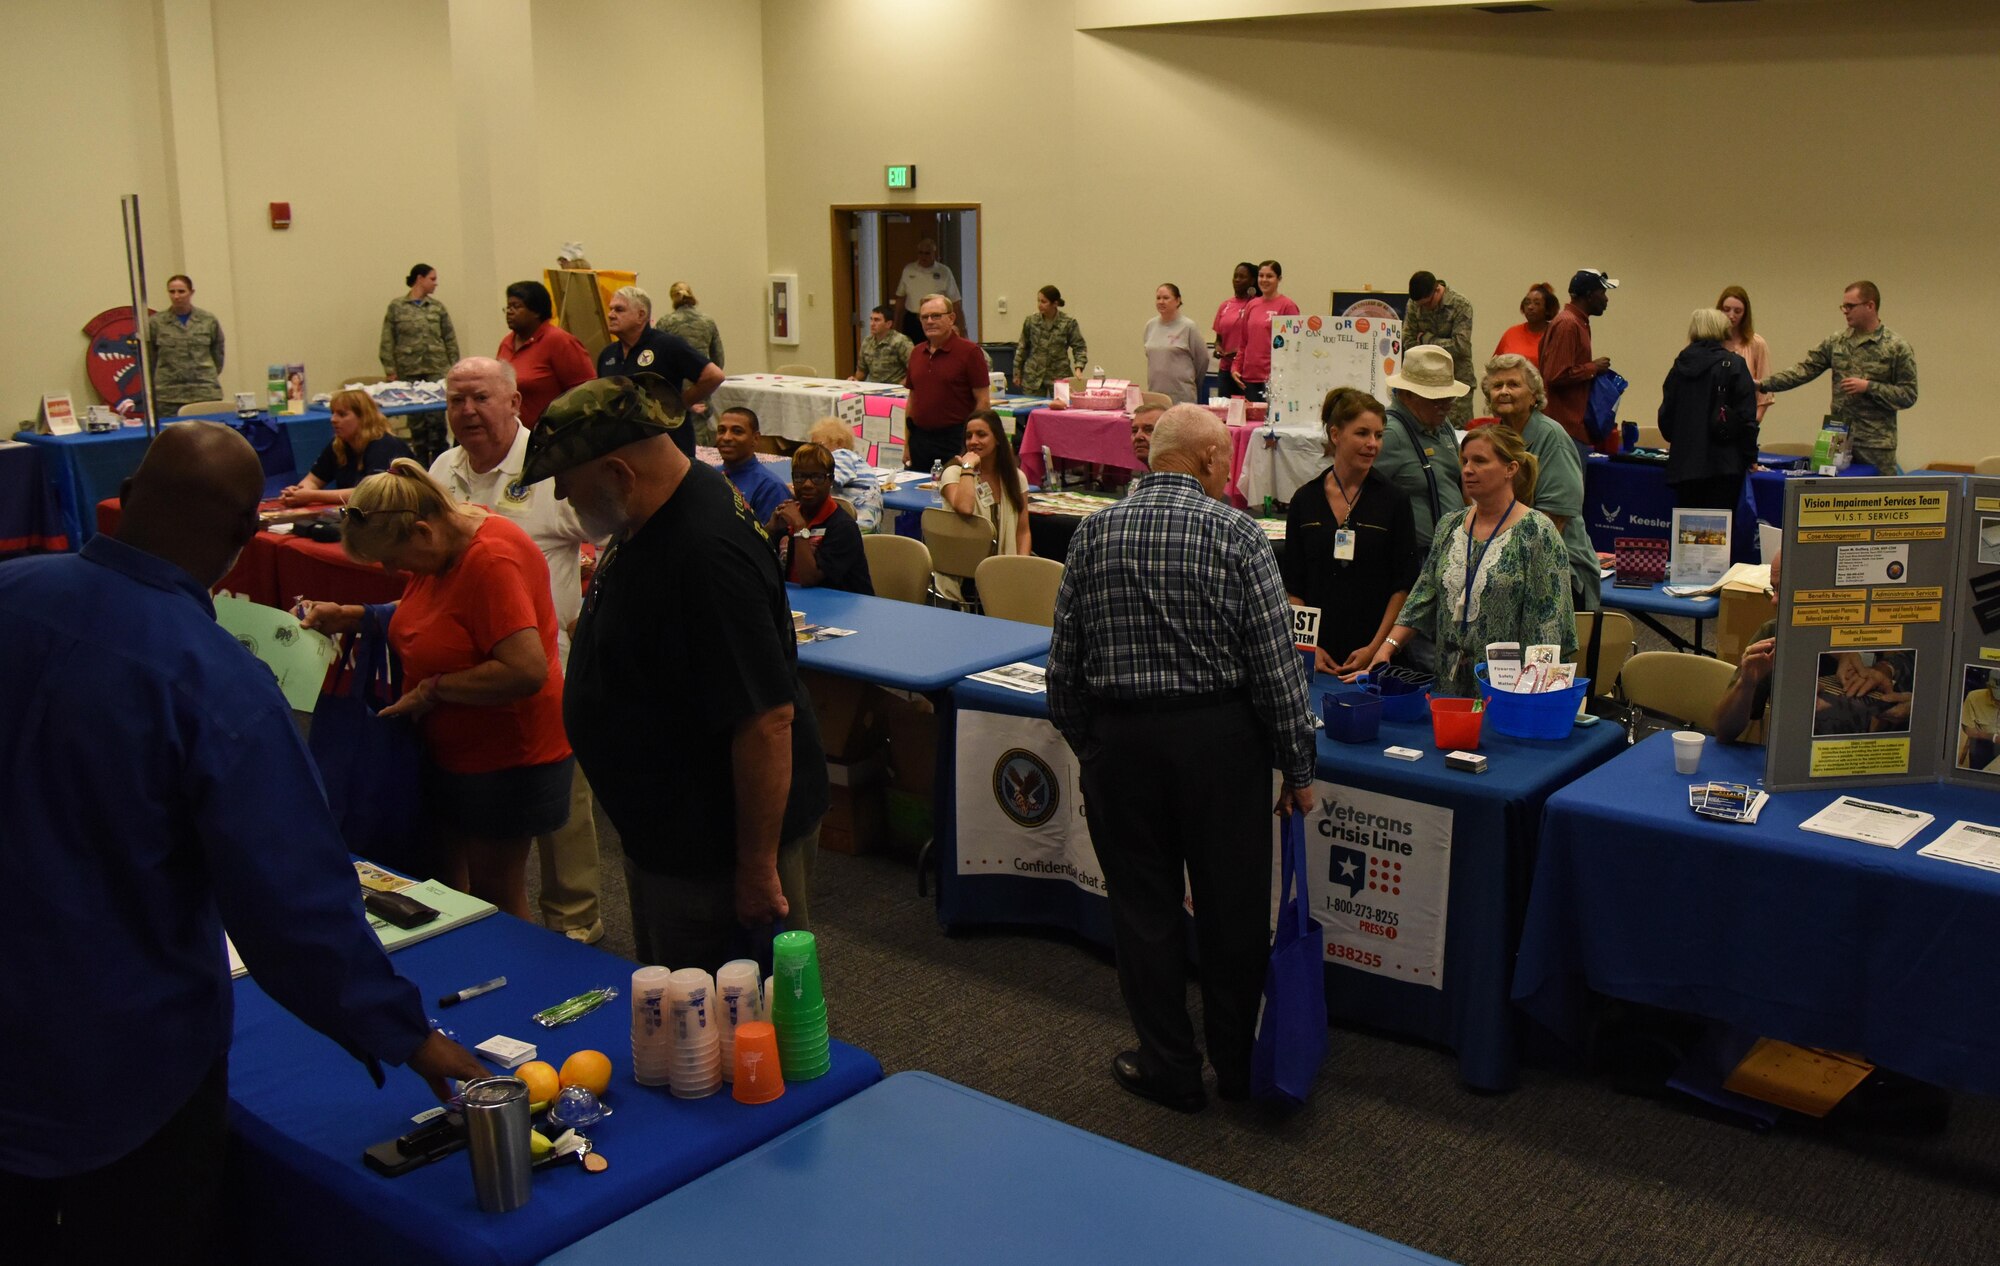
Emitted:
<point x="1310" y="356"/>
<point x="1880" y="647"/>
<point x="1972" y="722"/>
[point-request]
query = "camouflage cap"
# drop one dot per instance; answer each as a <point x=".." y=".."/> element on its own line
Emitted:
<point x="599" y="417"/>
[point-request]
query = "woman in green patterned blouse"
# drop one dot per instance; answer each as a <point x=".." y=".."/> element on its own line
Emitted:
<point x="1051" y="346"/>
<point x="1497" y="570"/>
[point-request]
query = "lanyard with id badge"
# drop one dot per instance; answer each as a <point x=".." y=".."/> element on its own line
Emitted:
<point x="1343" y="536"/>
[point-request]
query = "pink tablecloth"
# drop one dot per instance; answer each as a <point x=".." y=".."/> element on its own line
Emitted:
<point x="1100" y="436"/>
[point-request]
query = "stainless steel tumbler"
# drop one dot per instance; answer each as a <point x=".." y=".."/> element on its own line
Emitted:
<point x="497" y="1123"/>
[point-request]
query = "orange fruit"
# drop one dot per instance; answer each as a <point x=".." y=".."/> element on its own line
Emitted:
<point x="543" y="1083"/>
<point x="589" y="1069"/>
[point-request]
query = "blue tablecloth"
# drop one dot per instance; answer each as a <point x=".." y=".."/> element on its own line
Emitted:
<point x="1632" y="498"/>
<point x="906" y="646"/>
<point x="31" y="519"/>
<point x="918" y="1169"/>
<point x="1496" y="817"/>
<point x="1804" y="937"/>
<point x="303" y="1111"/>
<point x="84" y="469"/>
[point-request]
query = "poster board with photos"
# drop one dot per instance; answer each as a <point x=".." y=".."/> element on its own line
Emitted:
<point x="1972" y="735"/>
<point x="1862" y="690"/>
<point x="1311" y="355"/>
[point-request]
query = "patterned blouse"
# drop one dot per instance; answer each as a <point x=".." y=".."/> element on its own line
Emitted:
<point x="1520" y="594"/>
<point x="1049" y="349"/>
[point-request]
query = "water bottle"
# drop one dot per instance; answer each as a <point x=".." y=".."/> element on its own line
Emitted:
<point x="1097" y="375"/>
<point x="1049" y="468"/>
<point x="937" y="473"/>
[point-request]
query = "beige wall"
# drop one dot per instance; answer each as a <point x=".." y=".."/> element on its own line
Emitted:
<point x="80" y="128"/>
<point x="1789" y="149"/>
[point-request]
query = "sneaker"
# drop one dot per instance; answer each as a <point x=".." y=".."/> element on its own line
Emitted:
<point x="589" y="936"/>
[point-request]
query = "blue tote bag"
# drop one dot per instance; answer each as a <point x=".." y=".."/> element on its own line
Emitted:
<point x="1291" y="1020"/>
<point x="372" y="766"/>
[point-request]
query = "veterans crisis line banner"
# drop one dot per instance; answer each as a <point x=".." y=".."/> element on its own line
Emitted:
<point x="1378" y="867"/>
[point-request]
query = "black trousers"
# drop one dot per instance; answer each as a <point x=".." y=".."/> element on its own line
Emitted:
<point x="1254" y="391"/>
<point x="1717" y="492"/>
<point x="1189" y="789"/>
<point x="156" y="1204"/>
<point x="921" y="448"/>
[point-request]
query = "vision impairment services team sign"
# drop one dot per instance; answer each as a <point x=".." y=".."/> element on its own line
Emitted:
<point x="1020" y="802"/>
<point x="1378" y="873"/>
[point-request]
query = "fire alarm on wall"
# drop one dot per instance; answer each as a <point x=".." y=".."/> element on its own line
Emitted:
<point x="281" y="215"/>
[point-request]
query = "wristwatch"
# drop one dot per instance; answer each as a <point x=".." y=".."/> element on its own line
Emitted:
<point x="1393" y="644"/>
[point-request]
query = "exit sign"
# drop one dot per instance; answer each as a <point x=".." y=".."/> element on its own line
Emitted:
<point x="902" y="176"/>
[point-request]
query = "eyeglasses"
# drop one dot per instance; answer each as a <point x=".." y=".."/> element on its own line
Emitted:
<point x="823" y="477"/>
<point x="932" y="316"/>
<point x="1849" y="307"/>
<point x="355" y="514"/>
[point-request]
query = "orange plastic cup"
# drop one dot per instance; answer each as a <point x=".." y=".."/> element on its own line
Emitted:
<point x="1455" y="723"/>
<point x="759" y="1078"/>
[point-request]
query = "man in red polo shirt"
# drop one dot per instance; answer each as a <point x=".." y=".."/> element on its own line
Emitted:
<point x="948" y="384"/>
<point x="1568" y="364"/>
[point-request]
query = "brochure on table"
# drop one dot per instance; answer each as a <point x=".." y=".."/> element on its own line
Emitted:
<point x="455" y="910"/>
<point x="1699" y="554"/>
<point x="1888" y="663"/>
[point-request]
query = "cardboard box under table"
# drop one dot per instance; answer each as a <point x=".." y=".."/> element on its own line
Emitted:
<point x="1013" y="847"/>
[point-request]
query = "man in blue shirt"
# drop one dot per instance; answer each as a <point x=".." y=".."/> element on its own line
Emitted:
<point x="156" y="791"/>
<point x="736" y="434"/>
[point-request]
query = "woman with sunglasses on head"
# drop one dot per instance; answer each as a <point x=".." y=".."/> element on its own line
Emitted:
<point x="819" y="544"/>
<point x="476" y="631"/>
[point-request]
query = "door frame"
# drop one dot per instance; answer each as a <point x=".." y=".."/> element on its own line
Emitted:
<point x="845" y="345"/>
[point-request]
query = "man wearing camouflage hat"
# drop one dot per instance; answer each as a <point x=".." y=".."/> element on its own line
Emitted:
<point x="683" y="699"/>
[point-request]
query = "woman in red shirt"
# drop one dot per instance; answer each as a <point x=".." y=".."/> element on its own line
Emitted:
<point x="1253" y="365"/>
<point x="476" y="630"/>
<point x="1538" y="308"/>
<point x="547" y="359"/>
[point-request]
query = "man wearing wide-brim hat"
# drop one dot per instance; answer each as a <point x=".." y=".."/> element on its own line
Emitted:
<point x="1420" y="450"/>
<point x="683" y="700"/>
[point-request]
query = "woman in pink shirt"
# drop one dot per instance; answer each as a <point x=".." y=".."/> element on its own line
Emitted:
<point x="1253" y="365"/>
<point x="1230" y="328"/>
<point x="1745" y="341"/>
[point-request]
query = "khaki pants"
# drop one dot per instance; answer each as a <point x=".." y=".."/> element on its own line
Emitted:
<point x="569" y="865"/>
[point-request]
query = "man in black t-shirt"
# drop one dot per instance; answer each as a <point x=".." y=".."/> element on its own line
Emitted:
<point x="682" y="696"/>
<point x="639" y="348"/>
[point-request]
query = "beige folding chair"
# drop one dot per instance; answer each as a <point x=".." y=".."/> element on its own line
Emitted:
<point x="900" y="567"/>
<point x="1672" y="684"/>
<point x="957" y="547"/>
<point x="200" y="407"/>
<point x="797" y="371"/>
<point x="1019" y="587"/>
<point x="1787" y="448"/>
<point x="1160" y="398"/>
<point x="845" y="504"/>
<point x="1987" y="466"/>
<point x="1612" y="652"/>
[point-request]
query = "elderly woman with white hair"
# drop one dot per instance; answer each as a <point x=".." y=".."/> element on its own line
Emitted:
<point x="851" y="477"/>
<point x="638" y="348"/>
<point x="1708" y="412"/>
<point x="1516" y="395"/>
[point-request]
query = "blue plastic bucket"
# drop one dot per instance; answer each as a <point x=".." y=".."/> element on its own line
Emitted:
<point x="1352" y="715"/>
<point x="1548" y="715"/>
<point x="1403" y="697"/>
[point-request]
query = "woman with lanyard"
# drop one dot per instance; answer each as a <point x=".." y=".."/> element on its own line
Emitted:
<point x="1497" y="570"/>
<point x="1350" y="542"/>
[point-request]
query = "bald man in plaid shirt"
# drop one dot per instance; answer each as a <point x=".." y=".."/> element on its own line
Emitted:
<point x="1173" y="676"/>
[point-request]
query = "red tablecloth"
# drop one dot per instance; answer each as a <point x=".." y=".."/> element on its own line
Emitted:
<point x="1100" y="436"/>
<point x="277" y="569"/>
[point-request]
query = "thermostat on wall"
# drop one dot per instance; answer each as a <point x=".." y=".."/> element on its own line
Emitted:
<point x="902" y="175"/>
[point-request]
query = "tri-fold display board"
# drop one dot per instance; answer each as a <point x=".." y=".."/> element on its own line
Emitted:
<point x="1888" y="659"/>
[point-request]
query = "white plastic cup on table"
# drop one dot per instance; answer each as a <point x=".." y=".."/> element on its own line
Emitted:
<point x="738" y="995"/>
<point x="649" y="1005"/>
<point x="1687" y="750"/>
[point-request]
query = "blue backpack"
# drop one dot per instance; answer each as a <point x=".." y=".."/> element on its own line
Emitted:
<point x="1600" y="416"/>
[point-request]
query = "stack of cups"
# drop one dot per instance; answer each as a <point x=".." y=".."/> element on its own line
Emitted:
<point x="798" y="1007"/>
<point x="651" y="1046"/>
<point x="740" y="1001"/>
<point x="757" y="1076"/>
<point x="694" y="1067"/>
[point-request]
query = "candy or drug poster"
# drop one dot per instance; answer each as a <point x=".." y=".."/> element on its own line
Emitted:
<point x="1311" y="355"/>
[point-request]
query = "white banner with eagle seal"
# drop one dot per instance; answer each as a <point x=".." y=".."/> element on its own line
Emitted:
<point x="1020" y="802"/>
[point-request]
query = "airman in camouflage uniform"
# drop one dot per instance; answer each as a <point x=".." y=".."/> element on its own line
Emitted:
<point x="186" y="352"/>
<point x="884" y="357"/>
<point x="1051" y="346"/>
<point x="1443" y="317"/>
<point x="694" y="327"/>
<point x="418" y="342"/>
<point x="1874" y="375"/>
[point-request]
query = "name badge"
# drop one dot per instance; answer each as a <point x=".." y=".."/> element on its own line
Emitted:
<point x="1343" y="545"/>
